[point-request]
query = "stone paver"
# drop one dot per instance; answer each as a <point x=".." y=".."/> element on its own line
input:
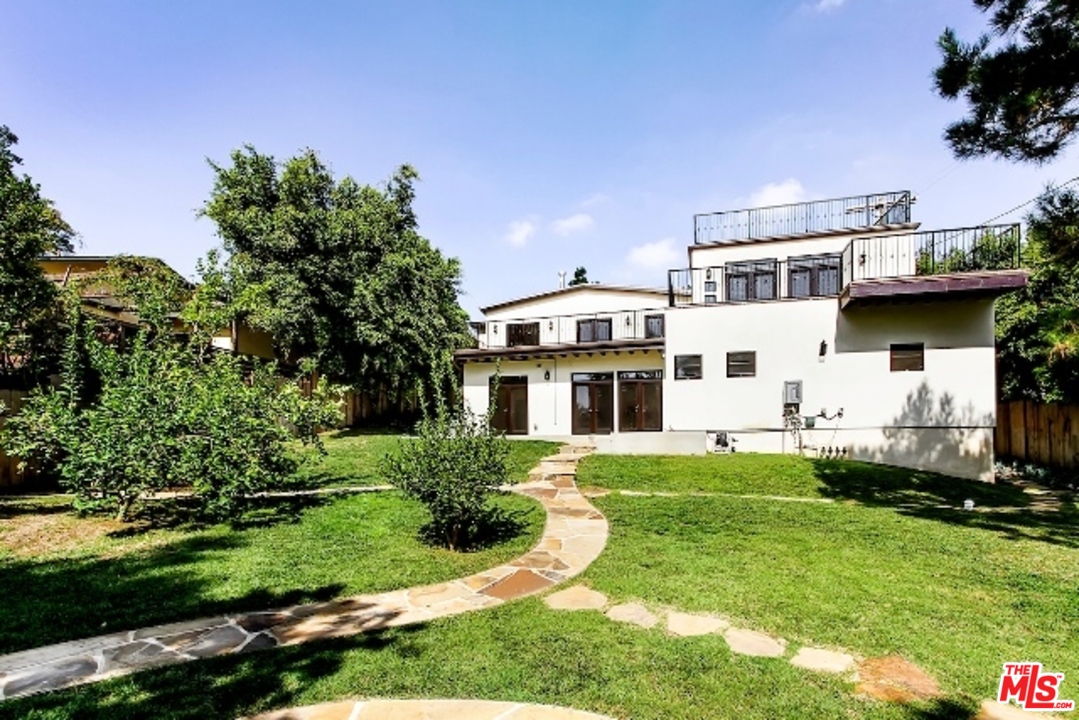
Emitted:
<point x="577" y="597"/>
<point x="633" y="613"/>
<point x="751" y="642"/>
<point x="429" y="710"/>
<point x="575" y="534"/>
<point x="690" y="624"/>
<point x="993" y="710"/>
<point x="821" y="660"/>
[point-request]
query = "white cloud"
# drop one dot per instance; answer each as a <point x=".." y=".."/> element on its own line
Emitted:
<point x="520" y="231"/>
<point x="593" y="200"/>
<point x="572" y="224"/>
<point x="827" y="5"/>
<point x="781" y="193"/>
<point x="658" y="255"/>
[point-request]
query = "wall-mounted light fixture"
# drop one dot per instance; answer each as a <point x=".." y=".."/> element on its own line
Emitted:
<point x="494" y="329"/>
<point x="708" y="274"/>
<point x="823" y="349"/>
<point x="629" y="320"/>
<point x="550" y="324"/>
<point x="546" y="374"/>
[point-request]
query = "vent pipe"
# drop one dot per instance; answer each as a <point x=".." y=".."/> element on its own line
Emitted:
<point x="561" y="279"/>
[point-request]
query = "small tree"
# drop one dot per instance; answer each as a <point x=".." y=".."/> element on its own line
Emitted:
<point x="453" y="466"/>
<point x="580" y="277"/>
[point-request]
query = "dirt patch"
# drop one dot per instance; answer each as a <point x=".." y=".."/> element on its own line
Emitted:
<point x="895" y="679"/>
<point x="29" y="536"/>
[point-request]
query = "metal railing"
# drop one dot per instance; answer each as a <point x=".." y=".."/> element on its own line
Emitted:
<point x="860" y="211"/>
<point x="938" y="252"/>
<point x="583" y="328"/>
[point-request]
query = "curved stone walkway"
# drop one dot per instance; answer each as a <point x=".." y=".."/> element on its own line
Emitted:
<point x="574" y="535"/>
<point x="429" y="710"/>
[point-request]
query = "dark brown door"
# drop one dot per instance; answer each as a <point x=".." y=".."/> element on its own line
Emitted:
<point x="511" y="406"/>
<point x="593" y="403"/>
<point x="640" y="401"/>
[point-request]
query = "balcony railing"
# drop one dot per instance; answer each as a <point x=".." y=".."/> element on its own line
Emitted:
<point x="580" y="329"/>
<point x="995" y="247"/>
<point x="849" y="213"/>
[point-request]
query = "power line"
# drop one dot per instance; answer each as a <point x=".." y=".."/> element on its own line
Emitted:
<point x="1023" y="205"/>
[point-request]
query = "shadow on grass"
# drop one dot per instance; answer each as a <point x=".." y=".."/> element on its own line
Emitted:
<point x="185" y="512"/>
<point x="224" y="687"/>
<point x="945" y="709"/>
<point x="493" y="527"/>
<point x="66" y="599"/>
<point x="1001" y="507"/>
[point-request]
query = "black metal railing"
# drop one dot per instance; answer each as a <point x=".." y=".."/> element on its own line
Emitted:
<point x="849" y="213"/>
<point x="579" y="329"/>
<point x="938" y="252"/>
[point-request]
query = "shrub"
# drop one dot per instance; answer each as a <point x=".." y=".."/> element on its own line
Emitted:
<point x="453" y="466"/>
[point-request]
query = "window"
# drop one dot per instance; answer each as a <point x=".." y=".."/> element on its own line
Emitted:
<point x="687" y="367"/>
<point x="742" y="364"/>
<point x="522" y="334"/>
<point x="653" y="326"/>
<point x="593" y="330"/>
<point x="908" y="357"/>
<point x="751" y="281"/>
<point x="813" y="276"/>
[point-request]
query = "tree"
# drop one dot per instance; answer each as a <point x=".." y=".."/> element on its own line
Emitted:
<point x="30" y="227"/>
<point x="1023" y="90"/>
<point x="1038" y="326"/>
<point x="580" y="277"/>
<point x="337" y="271"/>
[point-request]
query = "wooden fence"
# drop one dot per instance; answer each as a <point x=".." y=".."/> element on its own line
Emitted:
<point x="1042" y="434"/>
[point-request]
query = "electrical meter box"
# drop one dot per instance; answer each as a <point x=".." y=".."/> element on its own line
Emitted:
<point x="792" y="392"/>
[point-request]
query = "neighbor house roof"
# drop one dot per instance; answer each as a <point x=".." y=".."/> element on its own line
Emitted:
<point x="575" y="289"/>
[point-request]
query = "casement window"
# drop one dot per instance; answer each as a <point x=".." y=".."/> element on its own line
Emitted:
<point x="813" y="276"/>
<point x="653" y="326"/>
<point x="522" y="334"/>
<point x="687" y="367"/>
<point x="593" y="330"/>
<point x="751" y="281"/>
<point x="741" y="364"/>
<point x="908" y="357"/>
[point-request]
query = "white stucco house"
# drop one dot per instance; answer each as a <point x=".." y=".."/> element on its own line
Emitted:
<point x="830" y="328"/>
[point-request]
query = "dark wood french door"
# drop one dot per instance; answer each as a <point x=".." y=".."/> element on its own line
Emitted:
<point x="640" y="401"/>
<point x="511" y="405"/>
<point x="593" y="403"/>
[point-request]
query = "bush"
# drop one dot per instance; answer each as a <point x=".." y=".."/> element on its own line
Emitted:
<point x="162" y="415"/>
<point x="454" y="466"/>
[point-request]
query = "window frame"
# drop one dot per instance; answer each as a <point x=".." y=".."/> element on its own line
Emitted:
<point x="517" y="333"/>
<point x="739" y="360"/>
<point x="648" y="319"/>
<point x="595" y="324"/>
<point x="813" y="264"/>
<point x="751" y="271"/>
<point x="680" y="360"/>
<point x="906" y="357"/>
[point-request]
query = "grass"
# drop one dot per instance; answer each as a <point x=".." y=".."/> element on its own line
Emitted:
<point x="889" y="567"/>
<point x="521" y="652"/>
<point x="353" y="459"/>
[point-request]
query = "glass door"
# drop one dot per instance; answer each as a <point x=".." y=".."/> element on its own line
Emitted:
<point x="593" y="403"/>
<point x="640" y="400"/>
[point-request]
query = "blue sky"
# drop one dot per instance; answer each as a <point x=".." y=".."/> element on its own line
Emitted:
<point x="548" y="133"/>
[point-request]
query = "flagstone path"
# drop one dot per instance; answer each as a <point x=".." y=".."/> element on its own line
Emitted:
<point x="429" y="710"/>
<point x="574" y="536"/>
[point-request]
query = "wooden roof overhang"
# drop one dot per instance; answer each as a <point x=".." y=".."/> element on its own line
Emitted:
<point x="530" y="352"/>
<point x="931" y="288"/>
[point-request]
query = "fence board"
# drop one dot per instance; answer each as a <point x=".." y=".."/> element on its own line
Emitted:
<point x="1043" y="434"/>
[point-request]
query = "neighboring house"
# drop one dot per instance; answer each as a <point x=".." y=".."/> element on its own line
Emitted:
<point x="100" y="301"/>
<point x="832" y="328"/>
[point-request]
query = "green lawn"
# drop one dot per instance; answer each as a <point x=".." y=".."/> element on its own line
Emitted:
<point x="889" y="567"/>
<point x="353" y="459"/>
<point x="359" y="543"/>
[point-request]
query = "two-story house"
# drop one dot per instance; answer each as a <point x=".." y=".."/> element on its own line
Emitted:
<point x="831" y="328"/>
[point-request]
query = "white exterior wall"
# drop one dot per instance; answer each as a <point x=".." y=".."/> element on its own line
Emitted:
<point x="550" y="401"/>
<point x="940" y="419"/>
<point x="701" y="256"/>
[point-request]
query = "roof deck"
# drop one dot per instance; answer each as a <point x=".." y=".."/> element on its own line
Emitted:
<point x="838" y="215"/>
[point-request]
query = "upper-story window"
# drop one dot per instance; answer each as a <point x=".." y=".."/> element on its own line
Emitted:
<point x="751" y="280"/>
<point x="653" y="326"/>
<point x="593" y="330"/>
<point x="522" y="334"/>
<point x="813" y="276"/>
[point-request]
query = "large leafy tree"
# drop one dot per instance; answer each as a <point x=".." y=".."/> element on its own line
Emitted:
<point x="337" y="271"/>
<point x="1020" y="80"/>
<point x="1038" y="327"/>
<point x="30" y="227"/>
